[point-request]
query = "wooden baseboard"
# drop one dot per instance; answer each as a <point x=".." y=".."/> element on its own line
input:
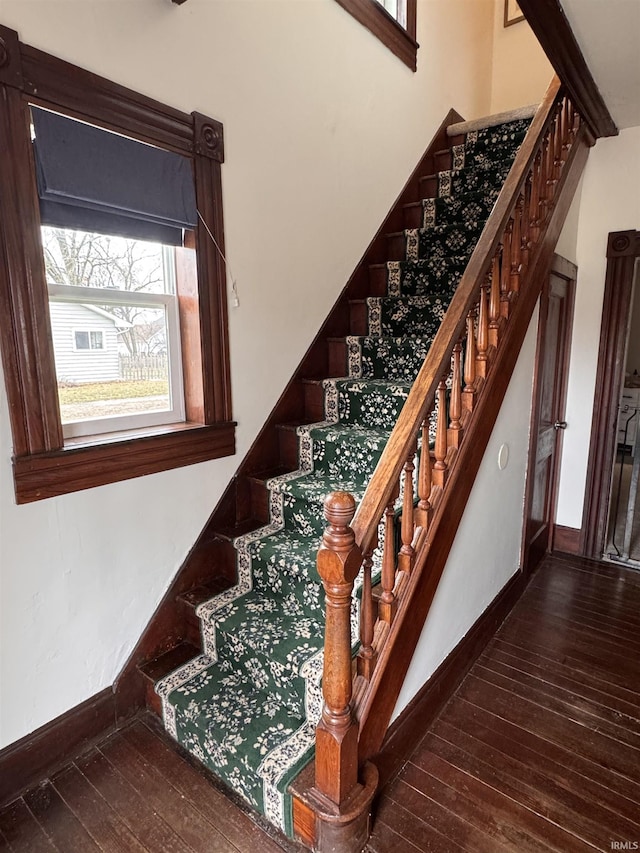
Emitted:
<point x="39" y="754"/>
<point x="412" y="724"/>
<point x="567" y="540"/>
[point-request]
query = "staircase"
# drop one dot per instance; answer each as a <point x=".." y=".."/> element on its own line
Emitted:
<point x="248" y="706"/>
<point x="248" y="702"/>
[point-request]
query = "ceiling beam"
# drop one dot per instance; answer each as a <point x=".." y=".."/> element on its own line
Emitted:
<point x="552" y="29"/>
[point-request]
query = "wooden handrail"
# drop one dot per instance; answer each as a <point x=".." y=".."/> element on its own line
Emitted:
<point x="421" y="396"/>
<point x="474" y="351"/>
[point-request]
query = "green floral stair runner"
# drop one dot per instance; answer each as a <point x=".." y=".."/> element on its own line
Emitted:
<point x="248" y="706"/>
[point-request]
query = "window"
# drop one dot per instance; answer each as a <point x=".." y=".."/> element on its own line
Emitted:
<point x="392" y="21"/>
<point x="113" y="321"/>
<point x="88" y="340"/>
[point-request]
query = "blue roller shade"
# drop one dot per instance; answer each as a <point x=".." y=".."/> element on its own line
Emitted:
<point x="93" y="180"/>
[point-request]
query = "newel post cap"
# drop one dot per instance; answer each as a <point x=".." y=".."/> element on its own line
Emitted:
<point x="339" y="558"/>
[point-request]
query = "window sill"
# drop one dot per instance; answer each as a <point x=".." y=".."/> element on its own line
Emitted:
<point x="84" y="463"/>
<point x="378" y="21"/>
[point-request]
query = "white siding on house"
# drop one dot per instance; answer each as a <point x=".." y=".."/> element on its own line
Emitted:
<point x="86" y="365"/>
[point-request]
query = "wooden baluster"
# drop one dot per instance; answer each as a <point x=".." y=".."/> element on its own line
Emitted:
<point x="494" y="302"/>
<point x="440" y="467"/>
<point x="534" y="206"/>
<point x="543" y="204"/>
<point x="505" y="283"/>
<point x="483" y="335"/>
<point x="469" y="392"/>
<point x="558" y="160"/>
<point x="525" y="241"/>
<point x="407" y="554"/>
<point x="573" y="122"/>
<point x="387" y="604"/>
<point x="516" y="247"/>
<point x="454" y="434"/>
<point x="566" y="122"/>
<point x="367" y="656"/>
<point x="339" y="560"/>
<point x="551" y="166"/>
<point x="507" y="251"/>
<point x="424" y="509"/>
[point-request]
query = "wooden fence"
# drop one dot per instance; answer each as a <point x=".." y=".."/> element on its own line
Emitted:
<point x="143" y="367"/>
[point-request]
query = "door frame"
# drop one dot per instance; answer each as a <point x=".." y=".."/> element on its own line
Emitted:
<point x="623" y="247"/>
<point x="568" y="271"/>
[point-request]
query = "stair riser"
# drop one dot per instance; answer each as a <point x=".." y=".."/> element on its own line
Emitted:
<point x="259" y="501"/>
<point x="378" y="280"/>
<point x="443" y="160"/>
<point x="288" y="446"/>
<point x="428" y="186"/>
<point x="358" y="317"/>
<point x="338" y="357"/>
<point x="313" y="401"/>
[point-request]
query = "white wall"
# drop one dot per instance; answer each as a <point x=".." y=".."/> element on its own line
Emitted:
<point x="610" y="202"/>
<point x="521" y="71"/>
<point x="567" y="244"/>
<point x="322" y="127"/>
<point x="486" y="550"/>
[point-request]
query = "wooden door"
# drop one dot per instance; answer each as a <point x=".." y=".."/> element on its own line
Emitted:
<point x="548" y="424"/>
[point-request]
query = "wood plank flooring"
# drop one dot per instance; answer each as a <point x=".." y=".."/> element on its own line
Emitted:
<point x="539" y="748"/>
<point x="134" y="793"/>
<point x="537" y="751"/>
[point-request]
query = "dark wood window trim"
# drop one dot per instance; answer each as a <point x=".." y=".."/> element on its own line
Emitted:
<point x="44" y="464"/>
<point x="375" y="18"/>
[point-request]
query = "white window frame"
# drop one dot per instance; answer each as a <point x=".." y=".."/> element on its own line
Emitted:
<point x="175" y="413"/>
<point x="89" y="332"/>
<point x="400" y="13"/>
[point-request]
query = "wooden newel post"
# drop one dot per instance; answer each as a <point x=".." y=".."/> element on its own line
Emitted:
<point x="339" y="560"/>
<point x="336" y="811"/>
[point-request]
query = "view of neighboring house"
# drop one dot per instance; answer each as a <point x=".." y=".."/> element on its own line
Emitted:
<point x="85" y="342"/>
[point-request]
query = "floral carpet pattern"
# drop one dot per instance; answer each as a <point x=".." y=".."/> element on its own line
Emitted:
<point x="247" y="707"/>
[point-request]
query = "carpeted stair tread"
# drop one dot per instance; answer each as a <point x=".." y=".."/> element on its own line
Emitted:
<point x="413" y="315"/>
<point x="314" y="486"/>
<point x="370" y="403"/>
<point x="429" y="276"/>
<point x="247" y="707"/>
<point x="466" y="207"/>
<point x="239" y="731"/>
<point x="271" y="637"/>
<point x="386" y="357"/>
<point x="440" y="240"/>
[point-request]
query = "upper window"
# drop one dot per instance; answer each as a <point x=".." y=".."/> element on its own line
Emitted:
<point x="392" y="21"/>
<point x="112" y="282"/>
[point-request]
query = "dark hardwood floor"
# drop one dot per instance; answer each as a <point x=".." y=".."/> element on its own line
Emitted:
<point x="136" y="793"/>
<point x="538" y="750"/>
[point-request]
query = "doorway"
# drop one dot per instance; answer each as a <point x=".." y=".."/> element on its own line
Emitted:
<point x="548" y="410"/>
<point x="606" y="488"/>
<point x="622" y="543"/>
